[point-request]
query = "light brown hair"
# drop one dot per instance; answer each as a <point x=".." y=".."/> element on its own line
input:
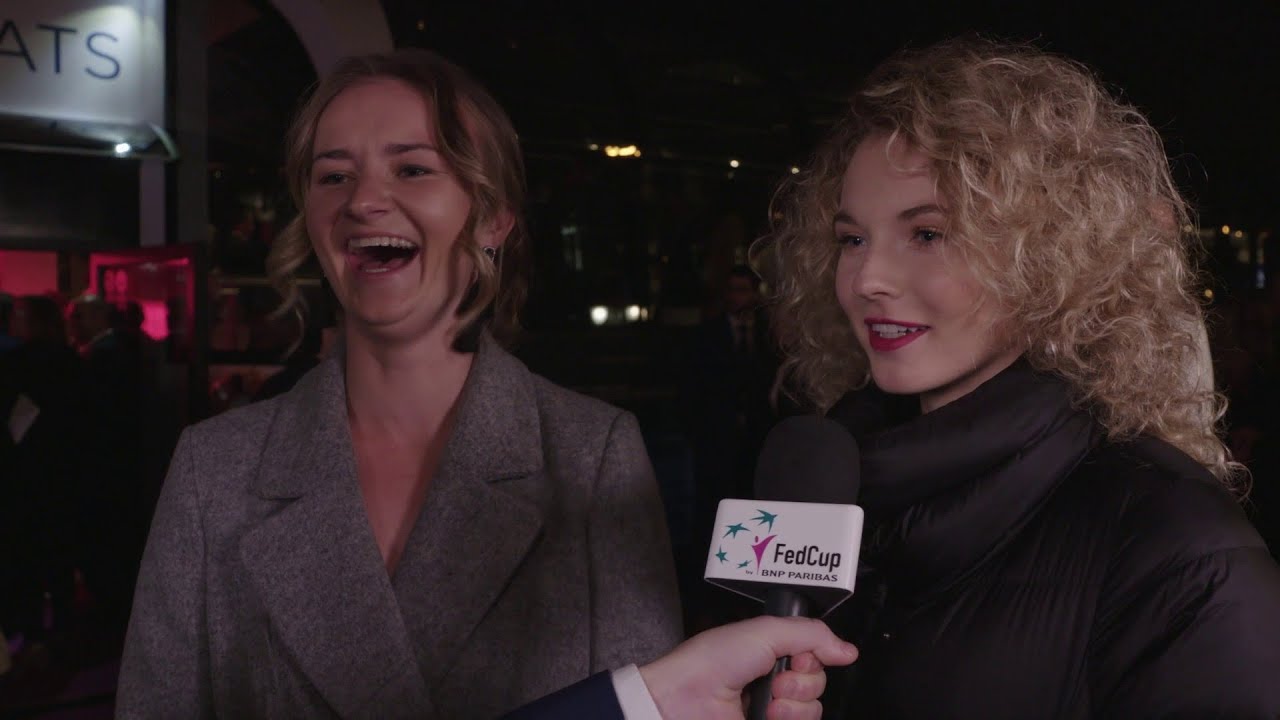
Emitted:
<point x="480" y="146"/>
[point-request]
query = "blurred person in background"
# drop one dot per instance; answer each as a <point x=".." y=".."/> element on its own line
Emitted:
<point x="8" y="340"/>
<point x="42" y="453"/>
<point x="732" y="362"/>
<point x="114" y="504"/>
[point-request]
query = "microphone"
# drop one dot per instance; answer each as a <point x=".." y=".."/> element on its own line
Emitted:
<point x="794" y="548"/>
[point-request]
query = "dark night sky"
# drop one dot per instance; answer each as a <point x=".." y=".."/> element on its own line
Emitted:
<point x="1207" y="73"/>
<point x="697" y="82"/>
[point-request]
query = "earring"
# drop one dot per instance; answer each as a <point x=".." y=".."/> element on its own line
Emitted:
<point x="491" y="251"/>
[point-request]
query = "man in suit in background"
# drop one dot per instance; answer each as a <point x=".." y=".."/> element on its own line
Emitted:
<point x="732" y="364"/>
<point x="734" y="360"/>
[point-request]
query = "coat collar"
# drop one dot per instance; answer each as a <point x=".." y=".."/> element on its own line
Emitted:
<point x="496" y="431"/>
<point x="373" y="644"/>
<point x="947" y="489"/>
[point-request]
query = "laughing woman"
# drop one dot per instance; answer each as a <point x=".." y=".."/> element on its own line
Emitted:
<point x="421" y="527"/>
<point x="992" y="245"/>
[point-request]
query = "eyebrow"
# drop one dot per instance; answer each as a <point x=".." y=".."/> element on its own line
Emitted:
<point x="912" y="213"/>
<point x="392" y="149"/>
<point x="917" y="211"/>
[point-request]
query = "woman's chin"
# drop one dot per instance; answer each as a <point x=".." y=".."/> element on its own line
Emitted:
<point x="901" y="381"/>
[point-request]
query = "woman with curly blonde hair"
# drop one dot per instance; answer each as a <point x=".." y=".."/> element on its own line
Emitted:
<point x="982" y="273"/>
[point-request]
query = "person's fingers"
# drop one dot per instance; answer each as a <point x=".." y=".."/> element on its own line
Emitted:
<point x="794" y="710"/>
<point x="837" y="653"/>
<point x="802" y="686"/>
<point x="795" y="635"/>
<point x="806" y="662"/>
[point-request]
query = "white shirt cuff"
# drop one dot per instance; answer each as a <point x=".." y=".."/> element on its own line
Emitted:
<point x="633" y="694"/>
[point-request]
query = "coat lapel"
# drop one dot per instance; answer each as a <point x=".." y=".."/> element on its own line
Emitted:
<point x="481" y="515"/>
<point x="317" y="567"/>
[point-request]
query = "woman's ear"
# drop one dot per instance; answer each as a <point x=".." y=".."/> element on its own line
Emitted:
<point x="493" y="232"/>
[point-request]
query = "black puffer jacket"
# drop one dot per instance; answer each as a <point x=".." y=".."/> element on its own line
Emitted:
<point x="1017" y="565"/>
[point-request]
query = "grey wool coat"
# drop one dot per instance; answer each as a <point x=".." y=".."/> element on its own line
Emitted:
<point x="540" y="557"/>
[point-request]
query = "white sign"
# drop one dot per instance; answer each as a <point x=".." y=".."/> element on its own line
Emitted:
<point x="83" y="60"/>
<point x="759" y="543"/>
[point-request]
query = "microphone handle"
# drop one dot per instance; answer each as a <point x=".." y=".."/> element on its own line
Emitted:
<point x="780" y="602"/>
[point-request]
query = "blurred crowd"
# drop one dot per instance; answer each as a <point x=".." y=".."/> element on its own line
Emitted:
<point x="90" y="420"/>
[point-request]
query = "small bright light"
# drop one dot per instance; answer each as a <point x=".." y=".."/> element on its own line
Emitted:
<point x="422" y="25"/>
<point x="1226" y="229"/>
<point x="620" y="150"/>
<point x="1208" y="294"/>
<point x="644" y="313"/>
<point x="733" y="163"/>
<point x="599" y="315"/>
<point x="593" y="147"/>
<point x="633" y="313"/>
<point x="123" y="148"/>
<point x="1239" y="233"/>
<point x="795" y="170"/>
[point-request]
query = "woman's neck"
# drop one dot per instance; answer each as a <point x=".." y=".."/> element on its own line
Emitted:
<point x="966" y="383"/>
<point x="403" y="391"/>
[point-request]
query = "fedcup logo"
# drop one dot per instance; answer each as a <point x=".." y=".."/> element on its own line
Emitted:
<point x="759" y="544"/>
<point x="752" y="545"/>
<point x="760" y="541"/>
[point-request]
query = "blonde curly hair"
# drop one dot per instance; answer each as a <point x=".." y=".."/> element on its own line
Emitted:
<point x="480" y="145"/>
<point x="1062" y="205"/>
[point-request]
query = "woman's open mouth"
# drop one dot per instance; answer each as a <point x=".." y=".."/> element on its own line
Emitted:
<point x="380" y="254"/>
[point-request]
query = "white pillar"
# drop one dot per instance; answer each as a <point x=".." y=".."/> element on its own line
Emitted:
<point x="333" y="29"/>
<point x="151" y="203"/>
<point x="191" y="122"/>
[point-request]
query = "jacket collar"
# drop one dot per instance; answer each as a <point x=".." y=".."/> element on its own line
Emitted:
<point x="945" y="490"/>
<point x="496" y="432"/>
<point x="374" y="645"/>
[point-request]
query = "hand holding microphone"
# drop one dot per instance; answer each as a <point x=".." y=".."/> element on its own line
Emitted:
<point x="796" y="546"/>
<point x="705" y="676"/>
<point x="795" y="549"/>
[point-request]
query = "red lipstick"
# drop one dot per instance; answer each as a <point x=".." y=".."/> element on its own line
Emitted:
<point x="886" y="335"/>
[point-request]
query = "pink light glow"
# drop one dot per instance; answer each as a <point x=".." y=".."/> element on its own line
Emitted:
<point x="24" y="272"/>
<point x="155" y="319"/>
<point x="150" y="277"/>
<point x="162" y="255"/>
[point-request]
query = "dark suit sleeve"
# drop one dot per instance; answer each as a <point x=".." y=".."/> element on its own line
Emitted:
<point x="591" y="699"/>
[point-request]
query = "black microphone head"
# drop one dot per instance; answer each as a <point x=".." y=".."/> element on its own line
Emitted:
<point x="809" y="459"/>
